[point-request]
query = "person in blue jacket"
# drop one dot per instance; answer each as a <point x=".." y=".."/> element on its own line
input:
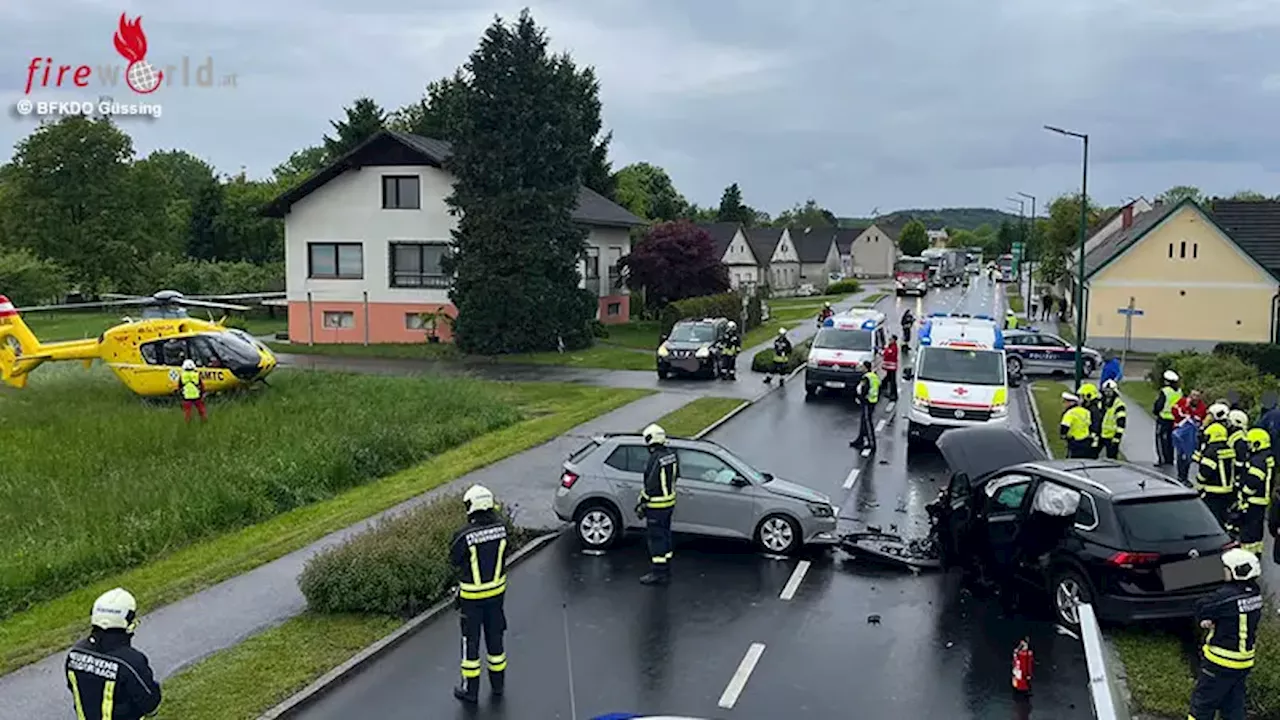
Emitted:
<point x="1186" y="438"/>
<point x="1270" y="420"/>
<point x="1111" y="370"/>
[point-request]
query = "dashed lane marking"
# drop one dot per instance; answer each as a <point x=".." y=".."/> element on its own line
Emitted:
<point x="866" y="452"/>
<point x="889" y="408"/>
<point x="880" y="425"/>
<point x="852" y="478"/>
<point x="793" y="583"/>
<point x="739" y="679"/>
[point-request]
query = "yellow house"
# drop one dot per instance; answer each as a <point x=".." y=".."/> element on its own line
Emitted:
<point x="1194" y="283"/>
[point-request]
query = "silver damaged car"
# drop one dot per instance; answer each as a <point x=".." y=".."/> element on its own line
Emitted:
<point x="717" y="494"/>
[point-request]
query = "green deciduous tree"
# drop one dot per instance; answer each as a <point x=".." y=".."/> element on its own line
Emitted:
<point x="517" y="248"/>
<point x="1178" y="193"/>
<point x="647" y="191"/>
<point x="732" y="209"/>
<point x="1060" y="236"/>
<point x="810" y="214"/>
<point x="1006" y="236"/>
<point x="363" y="119"/>
<point x="245" y="234"/>
<point x="1249" y="196"/>
<point x="914" y="238"/>
<point x="432" y="116"/>
<point x="28" y="280"/>
<point x="300" y="165"/>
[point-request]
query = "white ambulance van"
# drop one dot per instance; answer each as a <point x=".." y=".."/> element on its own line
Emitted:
<point x="959" y="376"/>
<point x="842" y="344"/>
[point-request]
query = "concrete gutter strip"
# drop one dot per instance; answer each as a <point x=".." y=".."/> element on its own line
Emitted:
<point x="724" y="419"/>
<point x="363" y="658"/>
<point x="1035" y="413"/>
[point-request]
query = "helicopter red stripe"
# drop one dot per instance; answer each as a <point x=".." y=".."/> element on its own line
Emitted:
<point x="6" y="307"/>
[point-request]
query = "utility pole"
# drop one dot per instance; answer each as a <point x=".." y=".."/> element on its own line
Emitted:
<point x="1031" y="242"/>
<point x="1084" y="231"/>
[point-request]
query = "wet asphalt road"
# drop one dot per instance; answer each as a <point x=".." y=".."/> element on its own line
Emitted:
<point x="677" y="650"/>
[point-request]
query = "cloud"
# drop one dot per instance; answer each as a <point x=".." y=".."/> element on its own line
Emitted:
<point x="916" y="103"/>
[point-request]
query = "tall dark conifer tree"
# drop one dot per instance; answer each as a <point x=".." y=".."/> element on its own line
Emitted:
<point x="521" y="143"/>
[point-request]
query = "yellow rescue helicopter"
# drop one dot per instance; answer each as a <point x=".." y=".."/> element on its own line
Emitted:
<point x="145" y="354"/>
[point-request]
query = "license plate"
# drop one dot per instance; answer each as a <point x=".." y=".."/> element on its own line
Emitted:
<point x="833" y="384"/>
<point x="1190" y="573"/>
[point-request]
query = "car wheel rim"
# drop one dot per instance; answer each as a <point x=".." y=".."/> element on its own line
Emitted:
<point x="1068" y="598"/>
<point x="596" y="527"/>
<point x="776" y="534"/>
<point x="1015" y="365"/>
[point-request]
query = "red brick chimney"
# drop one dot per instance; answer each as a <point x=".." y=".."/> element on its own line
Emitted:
<point x="1126" y="217"/>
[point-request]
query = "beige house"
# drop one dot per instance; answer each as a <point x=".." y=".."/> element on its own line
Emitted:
<point x="1120" y="219"/>
<point x="875" y="250"/>
<point x="779" y="263"/>
<point x="735" y="252"/>
<point x="1195" y="283"/>
<point x="819" y="258"/>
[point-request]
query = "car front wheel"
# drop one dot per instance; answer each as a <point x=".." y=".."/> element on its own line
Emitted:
<point x="597" y="526"/>
<point x="778" y="534"/>
<point x="1088" y="366"/>
<point x="1069" y="590"/>
<point x="1015" y="365"/>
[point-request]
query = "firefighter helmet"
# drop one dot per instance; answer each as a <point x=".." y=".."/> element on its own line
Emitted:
<point x="477" y="498"/>
<point x="655" y="435"/>
<point x="1258" y="439"/>
<point x="1242" y="564"/>
<point x="1238" y="419"/>
<point x="1219" y="411"/>
<point x="115" y="610"/>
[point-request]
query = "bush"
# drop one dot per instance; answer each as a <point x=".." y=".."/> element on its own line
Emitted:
<point x="398" y="567"/>
<point x="762" y="361"/>
<point x="844" y="287"/>
<point x="727" y="305"/>
<point x="1264" y="356"/>
<point x="1215" y="376"/>
<point x="29" y="280"/>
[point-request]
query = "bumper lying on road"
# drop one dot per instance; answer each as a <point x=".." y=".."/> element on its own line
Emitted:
<point x="1134" y="608"/>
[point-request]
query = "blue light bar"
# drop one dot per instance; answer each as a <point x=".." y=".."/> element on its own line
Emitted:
<point x="829" y="322"/>
<point x="999" y="339"/>
<point x="869" y="325"/>
<point x="925" y="336"/>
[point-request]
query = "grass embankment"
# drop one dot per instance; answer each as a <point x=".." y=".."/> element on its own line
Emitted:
<point x="176" y="509"/>
<point x="53" y="326"/>
<point x="601" y="355"/>
<point x="250" y="678"/>
<point x="1140" y="392"/>
<point x="1047" y="395"/>
<point x="1015" y="301"/>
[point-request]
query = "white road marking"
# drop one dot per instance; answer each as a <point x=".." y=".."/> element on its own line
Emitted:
<point x="889" y="408"/>
<point x="852" y="478"/>
<point x="866" y="452"/>
<point x="739" y="679"/>
<point x="793" y="583"/>
<point x="880" y="425"/>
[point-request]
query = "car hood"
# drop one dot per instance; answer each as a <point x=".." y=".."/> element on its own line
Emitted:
<point x="680" y="345"/>
<point x="840" y="357"/>
<point x="978" y="451"/>
<point x="796" y="491"/>
<point x="960" y="397"/>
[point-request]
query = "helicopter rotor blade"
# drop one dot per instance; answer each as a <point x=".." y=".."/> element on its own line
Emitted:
<point x="123" y="296"/>
<point x="206" y="304"/>
<point x="82" y="306"/>
<point x="239" y="296"/>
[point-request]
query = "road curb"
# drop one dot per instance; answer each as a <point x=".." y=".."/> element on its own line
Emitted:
<point x="360" y="660"/>
<point x="1035" y="414"/>
<point x="725" y="418"/>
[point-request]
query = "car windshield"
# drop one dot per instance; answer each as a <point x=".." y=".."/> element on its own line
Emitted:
<point x="970" y="367"/>
<point x="753" y="474"/>
<point x="691" y="333"/>
<point x="1167" y="520"/>
<point x="837" y="339"/>
<point x="914" y="266"/>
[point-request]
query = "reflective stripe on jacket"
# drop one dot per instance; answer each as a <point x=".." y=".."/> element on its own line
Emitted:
<point x="1075" y="423"/>
<point x="190" y="380"/>
<point x="1171" y="396"/>
<point x="1114" y="419"/>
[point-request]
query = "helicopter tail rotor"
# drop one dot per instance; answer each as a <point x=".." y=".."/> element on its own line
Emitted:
<point x="19" y="348"/>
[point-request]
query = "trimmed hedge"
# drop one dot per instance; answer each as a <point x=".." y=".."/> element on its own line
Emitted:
<point x="726" y="305"/>
<point x="1215" y="375"/>
<point x="1264" y="356"/>
<point x="762" y="362"/>
<point x="841" y="287"/>
<point x="398" y="567"/>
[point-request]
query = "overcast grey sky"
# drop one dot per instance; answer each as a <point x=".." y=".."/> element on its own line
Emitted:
<point x="859" y="104"/>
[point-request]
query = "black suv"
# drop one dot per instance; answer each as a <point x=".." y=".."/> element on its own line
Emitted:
<point x="1136" y="544"/>
<point x="693" y="347"/>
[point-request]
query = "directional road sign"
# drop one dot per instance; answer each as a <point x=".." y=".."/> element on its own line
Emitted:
<point x="1129" y="311"/>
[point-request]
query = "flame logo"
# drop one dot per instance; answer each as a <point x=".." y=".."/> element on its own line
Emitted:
<point x="130" y="40"/>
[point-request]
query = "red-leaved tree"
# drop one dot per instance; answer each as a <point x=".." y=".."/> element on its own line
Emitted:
<point x="675" y="260"/>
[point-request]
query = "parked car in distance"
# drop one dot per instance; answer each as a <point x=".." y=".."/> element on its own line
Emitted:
<point x="1031" y="351"/>
<point x="718" y="494"/>
<point x="692" y="347"/>
<point x="807" y="290"/>
<point x="1136" y="544"/>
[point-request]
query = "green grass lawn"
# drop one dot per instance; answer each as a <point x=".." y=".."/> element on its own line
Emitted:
<point x="178" y="508"/>
<point x="250" y="678"/>
<point x="637" y="334"/>
<point x="1047" y="395"/>
<point x="1141" y="392"/>
<point x="1015" y="303"/>
<point x="600" y="355"/>
<point x="79" y="325"/>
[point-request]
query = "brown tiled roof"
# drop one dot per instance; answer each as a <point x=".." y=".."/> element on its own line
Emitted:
<point x="1255" y="226"/>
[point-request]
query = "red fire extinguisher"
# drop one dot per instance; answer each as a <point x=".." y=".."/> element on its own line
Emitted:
<point x="1023" y="662"/>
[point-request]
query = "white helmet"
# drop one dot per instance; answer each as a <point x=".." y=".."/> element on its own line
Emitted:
<point x="1170" y="376"/>
<point x="1110" y="386"/>
<point x="1238" y="419"/>
<point x="733" y="325"/>
<point x="477" y="498"/>
<point x="1218" y="411"/>
<point x="188" y="364"/>
<point x="1070" y="397"/>
<point x="826" y="304"/>
<point x="1242" y="564"/>
<point x="782" y="331"/>
<point x="115" y="610"/>
<point x="655" y="435"/>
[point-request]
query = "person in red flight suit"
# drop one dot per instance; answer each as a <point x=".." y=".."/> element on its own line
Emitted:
<point x="890" y="363"/>
<point x="1191" y="405"/>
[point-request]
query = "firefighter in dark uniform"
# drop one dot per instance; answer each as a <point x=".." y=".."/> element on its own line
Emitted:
<point x="1215" y="461"/>
<point x="658" y="503"/>
<point x="479" y="555"/>
<point x="1253" y="491"/>
<point x="1231" y="615"/>
<point x="1091" y="399"/>
<point x="1163" y="411"/>
<point x="1074" y="428"/>
<point x="1237" y="427"/>
<point x="1114" y="418"/>
<point x="109" y="679"/>
<point x="729" y="353"/>
<point x="781" y="354"/>
<point x="908" y="322"/>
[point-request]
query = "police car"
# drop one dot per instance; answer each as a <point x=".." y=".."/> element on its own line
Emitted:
<point x="1033" y="351"/>
<point x="959" y="375"/>
<point x="842" y="344"/>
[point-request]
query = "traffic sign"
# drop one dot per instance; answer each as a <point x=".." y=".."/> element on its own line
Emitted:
<point x="1129" y="311"/>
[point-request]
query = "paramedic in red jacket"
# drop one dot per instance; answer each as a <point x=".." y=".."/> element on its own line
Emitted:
<point x="890" y="363"/>
<point x="1190" y="406"/>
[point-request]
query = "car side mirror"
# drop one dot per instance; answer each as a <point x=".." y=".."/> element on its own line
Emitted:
<point x="663" y="338"/>
<point x="739" y="481"/>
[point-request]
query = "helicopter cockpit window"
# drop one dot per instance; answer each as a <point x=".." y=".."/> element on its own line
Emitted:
<point x="152" y="353"/>
<point x="203" y="352"/>
<point x="236" y="350"/>
<point x="175" y="351"/>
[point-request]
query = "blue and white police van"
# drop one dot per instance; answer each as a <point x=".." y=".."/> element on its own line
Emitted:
<point x="959" y="377"/>
<point x="842" y="345"/>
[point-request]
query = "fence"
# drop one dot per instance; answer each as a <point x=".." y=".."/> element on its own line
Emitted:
<point x="1104" y="688"/>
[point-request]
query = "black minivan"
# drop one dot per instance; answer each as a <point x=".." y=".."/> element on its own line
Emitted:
<point x="1134" y="543"/>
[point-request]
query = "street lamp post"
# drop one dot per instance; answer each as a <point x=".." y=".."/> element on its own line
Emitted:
<point x="1022" y="237"/>
<point x="1030" y="242"/>
<point x="1084" y="230"/>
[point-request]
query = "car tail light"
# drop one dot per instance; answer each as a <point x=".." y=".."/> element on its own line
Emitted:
<point x="1230" y="545"/>
<point x="568" y="479"/>
<point x="1131" y="559"/>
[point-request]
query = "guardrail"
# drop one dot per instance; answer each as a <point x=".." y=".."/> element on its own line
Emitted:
<point x="1104" y="688"/>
